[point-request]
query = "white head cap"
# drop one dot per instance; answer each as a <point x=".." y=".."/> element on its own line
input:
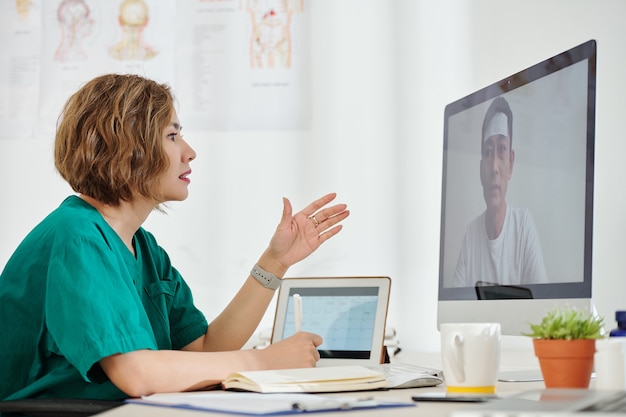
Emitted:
<point x="498" y="125"/>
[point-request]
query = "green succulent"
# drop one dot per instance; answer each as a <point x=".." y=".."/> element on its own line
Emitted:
<point x="568" y="324"/>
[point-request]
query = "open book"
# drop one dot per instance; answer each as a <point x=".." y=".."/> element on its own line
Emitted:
<point x="325" y="379"/>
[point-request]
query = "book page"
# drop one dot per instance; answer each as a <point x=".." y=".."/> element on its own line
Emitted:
<point x="318" y="375"/>
<point x="326" y="379"/>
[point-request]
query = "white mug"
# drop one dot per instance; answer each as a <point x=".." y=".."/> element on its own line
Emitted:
<point x="470" y="353"/>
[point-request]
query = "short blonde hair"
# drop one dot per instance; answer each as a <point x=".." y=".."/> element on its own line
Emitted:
<point x="108" y="141"/>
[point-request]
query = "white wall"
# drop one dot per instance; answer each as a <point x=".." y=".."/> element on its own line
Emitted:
<point x="382" y="72"/>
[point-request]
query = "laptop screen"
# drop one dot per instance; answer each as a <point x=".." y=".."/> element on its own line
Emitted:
<point x="348" y="313"/>
<point x="344" y="317"/>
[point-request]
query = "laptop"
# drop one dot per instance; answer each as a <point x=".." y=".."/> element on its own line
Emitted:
<point x="350" y="314"/>
<point x="551" y="402"/>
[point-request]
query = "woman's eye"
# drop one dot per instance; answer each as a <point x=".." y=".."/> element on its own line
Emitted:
<point x="172" y="136"/>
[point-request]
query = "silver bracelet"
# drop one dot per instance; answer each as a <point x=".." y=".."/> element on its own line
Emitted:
<point x="268" y="279"/>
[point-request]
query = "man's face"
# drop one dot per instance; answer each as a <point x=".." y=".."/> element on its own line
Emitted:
<point x="496" y="168"/>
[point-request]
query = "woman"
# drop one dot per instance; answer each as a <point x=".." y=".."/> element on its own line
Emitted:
<point x="92" y="306"/>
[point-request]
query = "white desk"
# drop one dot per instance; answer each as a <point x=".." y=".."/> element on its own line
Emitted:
<point x="514" y="360"/>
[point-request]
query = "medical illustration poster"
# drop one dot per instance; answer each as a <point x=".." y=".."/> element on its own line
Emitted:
<point x="86" y="38"/>
<point x="246" y="64"/>
<point x="20" y="27"/>
<point x="233" y="64"/>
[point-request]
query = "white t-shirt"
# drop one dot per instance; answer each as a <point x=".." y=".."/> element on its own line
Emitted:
<point x="513" y="258"/>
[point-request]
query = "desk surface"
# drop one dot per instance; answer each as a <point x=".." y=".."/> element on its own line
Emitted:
<point x="514" y="360"/>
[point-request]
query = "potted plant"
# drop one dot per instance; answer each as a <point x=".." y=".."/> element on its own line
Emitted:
<point x="565" y="343"/>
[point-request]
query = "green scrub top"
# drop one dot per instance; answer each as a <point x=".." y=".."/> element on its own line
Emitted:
<point x="72" y="294"/>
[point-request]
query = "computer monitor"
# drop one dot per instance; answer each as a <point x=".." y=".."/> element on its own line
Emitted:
<point x="517" y="195"/>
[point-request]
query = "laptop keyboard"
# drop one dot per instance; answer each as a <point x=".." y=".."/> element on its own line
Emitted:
<point x="614" y="404"/>
<point x="404" y="375"/>
<point x="391" y="369"/>
<point x="560" y="403"/>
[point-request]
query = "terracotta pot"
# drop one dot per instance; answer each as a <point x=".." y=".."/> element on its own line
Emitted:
<point x="565" y="363"/>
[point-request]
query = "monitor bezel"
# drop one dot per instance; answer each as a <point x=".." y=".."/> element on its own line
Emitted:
<point x="551" y="291"/>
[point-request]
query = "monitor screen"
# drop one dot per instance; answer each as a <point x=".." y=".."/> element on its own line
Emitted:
<point x="517" y="194"/>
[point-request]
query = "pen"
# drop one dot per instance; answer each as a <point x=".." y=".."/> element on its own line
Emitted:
<point x="335" y="404"/>
<point x="297" y="311"/>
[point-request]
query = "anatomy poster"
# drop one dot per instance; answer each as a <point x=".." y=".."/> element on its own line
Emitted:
<point x="86" y="38"/>
<point x="245" y="64"/>
<point x="20" y="43"/>
<point x="232" y="64"/>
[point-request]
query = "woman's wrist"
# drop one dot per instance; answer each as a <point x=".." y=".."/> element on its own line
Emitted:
<point x="268" y="272"/>
<point x="272" y="265"/>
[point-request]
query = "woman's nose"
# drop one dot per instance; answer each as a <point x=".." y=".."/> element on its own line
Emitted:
<point x="189" y="154"/>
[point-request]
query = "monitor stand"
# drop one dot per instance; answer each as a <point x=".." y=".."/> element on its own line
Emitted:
<point x="522" y="375"/>
<point x="518" y="363"/>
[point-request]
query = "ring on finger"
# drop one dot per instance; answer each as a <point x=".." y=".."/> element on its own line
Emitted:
<point x="314" y="220"/>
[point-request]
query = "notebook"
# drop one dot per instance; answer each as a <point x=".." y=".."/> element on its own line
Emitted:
<point x="350" y="314"/>
<point x="551" y="402"/>
<point x="308" y="380"/>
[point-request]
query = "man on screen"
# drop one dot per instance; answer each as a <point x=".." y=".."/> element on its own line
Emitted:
<point x="501" y="246"/>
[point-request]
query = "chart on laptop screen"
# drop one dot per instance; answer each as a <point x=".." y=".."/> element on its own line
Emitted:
<point x="343" y="318"/>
